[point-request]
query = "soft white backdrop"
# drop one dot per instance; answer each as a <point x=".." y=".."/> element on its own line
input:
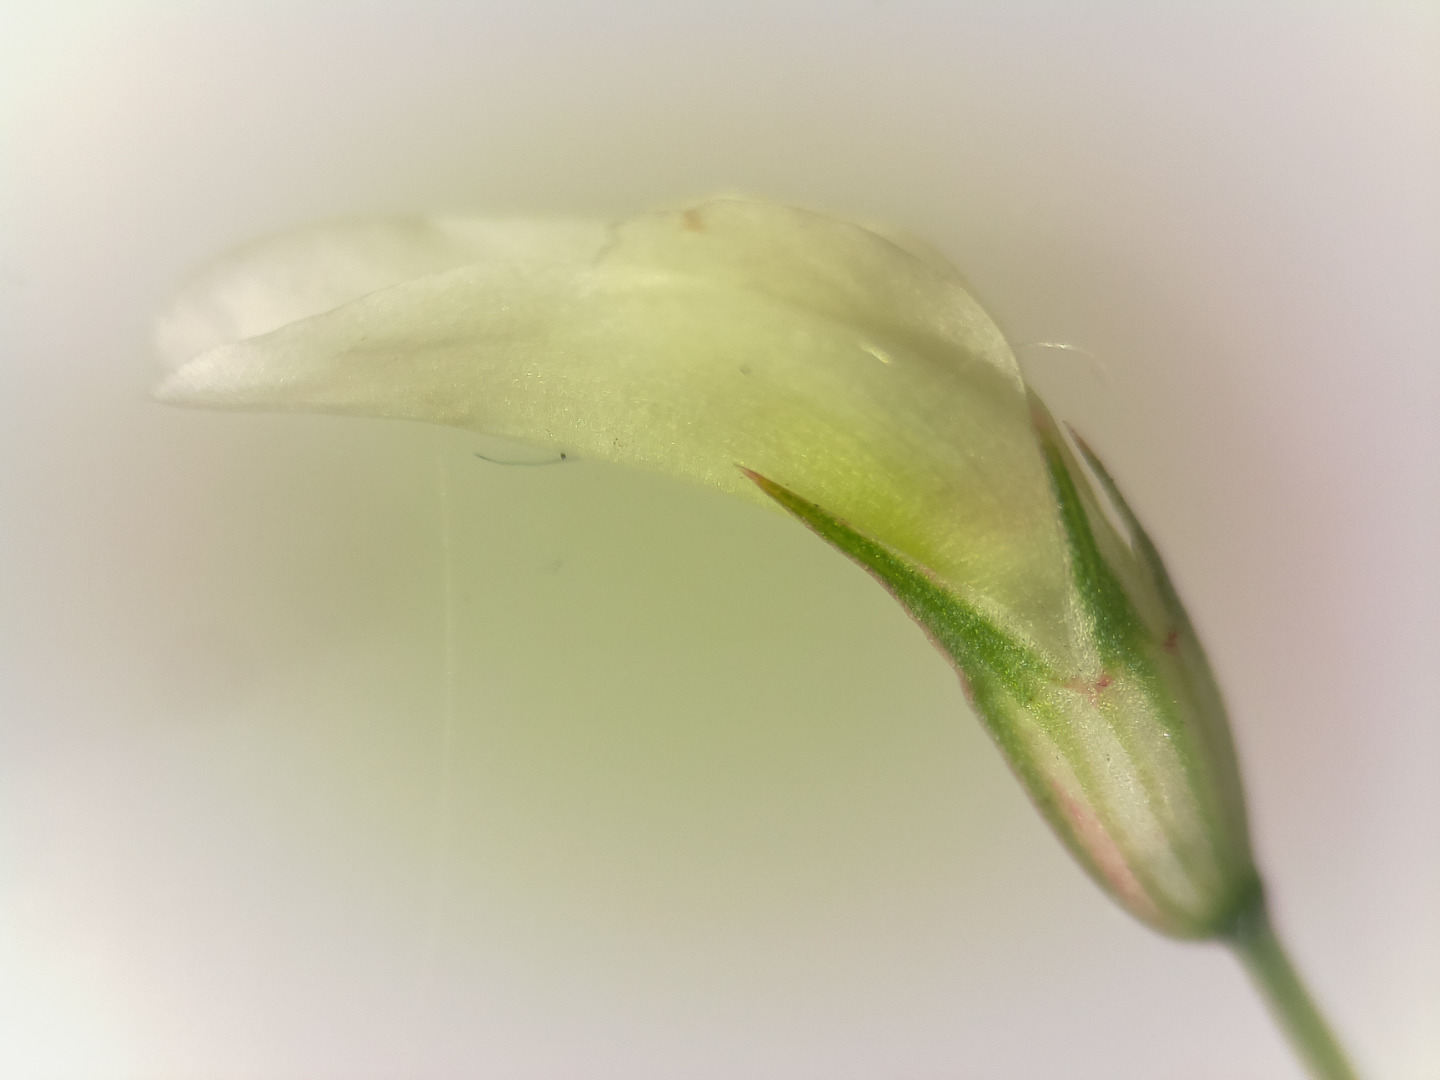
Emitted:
<point x="328" y="750"/>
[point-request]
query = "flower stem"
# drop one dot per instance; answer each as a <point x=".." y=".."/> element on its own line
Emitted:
<point x="1264" y="957"/>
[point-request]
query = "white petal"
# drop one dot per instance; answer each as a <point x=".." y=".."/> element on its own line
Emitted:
<point x="735" y="333"/>
<point x="282" y="279"/>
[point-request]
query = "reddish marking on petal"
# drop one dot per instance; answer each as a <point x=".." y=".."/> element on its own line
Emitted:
<point x="1091" y="834"/>
<point x="1091" y="690"/>
<point x="691" y="221"/>
<point x="1171" y="644"/>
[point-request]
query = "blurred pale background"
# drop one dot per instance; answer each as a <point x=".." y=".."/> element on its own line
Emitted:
<point x="329" y="750"/>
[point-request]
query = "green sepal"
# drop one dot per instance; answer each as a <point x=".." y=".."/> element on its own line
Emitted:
<point x="985" y="654"/>
<point x="1003" y="677"/>
<point x="1117" y="628"/>
<point x="1140" y="540"/>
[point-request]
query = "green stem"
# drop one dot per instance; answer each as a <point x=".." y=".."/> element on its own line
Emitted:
<point x="1258" y="948"/>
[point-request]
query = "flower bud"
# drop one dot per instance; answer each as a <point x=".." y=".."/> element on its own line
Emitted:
<point x="1125" y="750"/>
<point x="844" y="375"/>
